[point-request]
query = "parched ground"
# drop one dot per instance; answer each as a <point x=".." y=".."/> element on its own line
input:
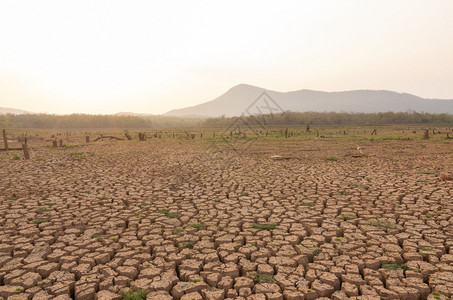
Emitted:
<point x="186" y="219"/>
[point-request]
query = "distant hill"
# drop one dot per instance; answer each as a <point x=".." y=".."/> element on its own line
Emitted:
<point x="236" y="100"/>
<point x="125" y="113"/>
<point x="144" y="115"/>
<point x="8" y="110"/>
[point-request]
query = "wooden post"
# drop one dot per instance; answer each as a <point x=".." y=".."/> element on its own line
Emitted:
<point x="61" y="143"/>
<point x="5" y="139"/>
<point x="26" y="152"/>
<point x="87" y="139"/>
<point x="286" y="132"/>
<point x="54" y="144"/>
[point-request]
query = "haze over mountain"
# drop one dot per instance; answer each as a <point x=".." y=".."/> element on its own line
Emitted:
<point x="236" y="100"/>
<point x="239" y="98"/>
<point x="8" y="110"/>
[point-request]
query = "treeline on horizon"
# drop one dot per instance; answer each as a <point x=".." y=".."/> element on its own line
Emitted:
<point x="334" y="118"/>
<point x="85" y="121"/>
<point x="46" y="121"/>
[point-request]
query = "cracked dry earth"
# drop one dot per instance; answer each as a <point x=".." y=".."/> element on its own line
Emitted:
<point x="173" y="220"/>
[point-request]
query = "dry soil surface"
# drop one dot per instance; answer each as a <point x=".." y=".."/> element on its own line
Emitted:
<point x="185" y="220"/>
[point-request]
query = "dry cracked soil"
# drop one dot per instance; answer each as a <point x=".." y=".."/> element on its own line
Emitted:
<point x="183" y="219"/>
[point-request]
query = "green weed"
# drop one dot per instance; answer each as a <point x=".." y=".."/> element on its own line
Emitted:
<point x="262" y="278"/>
<point x="131" y="295"/>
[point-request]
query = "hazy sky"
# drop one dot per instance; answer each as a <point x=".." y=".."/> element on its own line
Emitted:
<point x="153" y="56"/>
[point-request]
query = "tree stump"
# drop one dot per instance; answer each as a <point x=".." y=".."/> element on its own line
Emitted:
<point x="54" y="144"/>
<point x="142" y="136"/>
<point x="128" y="136"/>
<point x="26" y="152"/>
<point x="5" y="140"/>
<point x="426" y="135"/>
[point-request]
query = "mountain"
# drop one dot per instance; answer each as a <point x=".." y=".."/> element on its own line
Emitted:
<point x="8" y="110"/>
<point x="236" y="101"/>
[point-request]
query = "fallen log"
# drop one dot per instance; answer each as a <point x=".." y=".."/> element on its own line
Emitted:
<point x="108" y="137"/>
<point x="279" y="157"/>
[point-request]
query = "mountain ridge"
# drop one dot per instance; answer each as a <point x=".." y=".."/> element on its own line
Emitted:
<point x="234" y="102"/>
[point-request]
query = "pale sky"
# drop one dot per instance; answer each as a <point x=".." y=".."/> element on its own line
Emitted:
<point x="153" y="56"/>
